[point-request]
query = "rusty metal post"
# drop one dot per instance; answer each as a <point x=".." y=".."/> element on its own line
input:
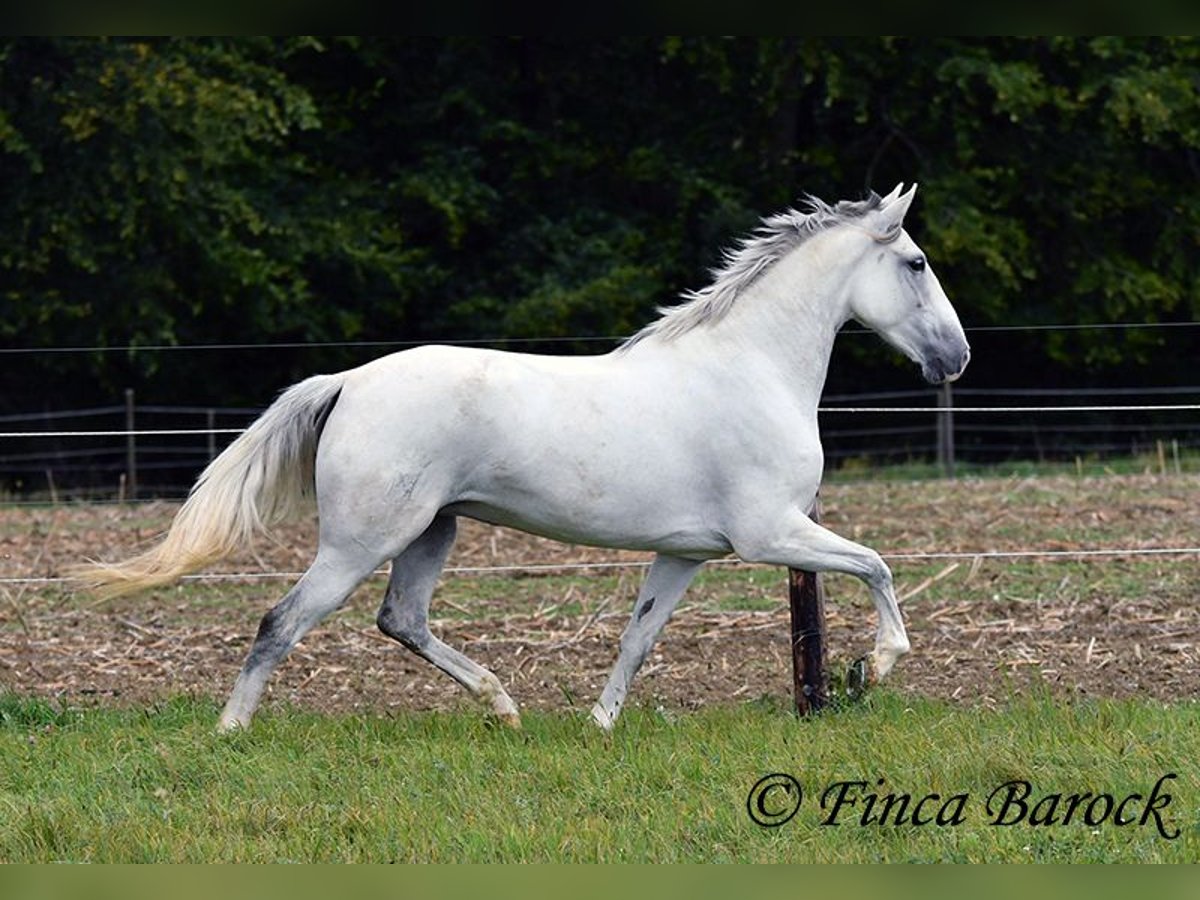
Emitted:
<point x="810" y="673"/>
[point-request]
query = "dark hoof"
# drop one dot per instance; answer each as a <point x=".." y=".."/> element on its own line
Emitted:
<point x="858" y="678"/>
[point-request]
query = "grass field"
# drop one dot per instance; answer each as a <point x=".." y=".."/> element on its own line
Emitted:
<point x="157" y="785"/>
<point x="1076" y="676"/>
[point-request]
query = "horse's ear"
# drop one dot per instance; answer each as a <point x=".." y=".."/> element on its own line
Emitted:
<point x="894" y="206"/>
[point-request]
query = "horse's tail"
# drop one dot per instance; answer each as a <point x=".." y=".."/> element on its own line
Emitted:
<point x="262" y="478"/>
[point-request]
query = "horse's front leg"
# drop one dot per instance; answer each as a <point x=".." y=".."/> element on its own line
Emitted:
<point x="803" y="544"/>
<point x="668" y="578"/>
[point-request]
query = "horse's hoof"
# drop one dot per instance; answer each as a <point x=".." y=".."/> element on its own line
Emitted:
<point x="231" y="726"/>
<point x="511" y="719"/>
<point x="859" y="677"/>
<point x="602" y="718"/>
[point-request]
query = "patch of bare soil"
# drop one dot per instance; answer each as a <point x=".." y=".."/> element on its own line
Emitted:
<point x="972" y="642"/>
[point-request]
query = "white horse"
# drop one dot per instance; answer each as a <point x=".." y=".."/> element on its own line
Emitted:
<point x="695" y="439"/>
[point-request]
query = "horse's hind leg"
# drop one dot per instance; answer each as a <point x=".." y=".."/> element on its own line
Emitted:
<point x="321" y="590"/>
<point x="404" y="616"/>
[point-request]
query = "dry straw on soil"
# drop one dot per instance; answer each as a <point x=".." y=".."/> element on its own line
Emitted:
<point x="980" y="628"/>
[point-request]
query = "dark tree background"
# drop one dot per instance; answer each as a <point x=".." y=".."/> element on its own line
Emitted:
<point x="239" y="191"/>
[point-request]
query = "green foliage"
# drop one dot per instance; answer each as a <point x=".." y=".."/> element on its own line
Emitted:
<point x="241" y="190"/>
<point x="161" y="192"/>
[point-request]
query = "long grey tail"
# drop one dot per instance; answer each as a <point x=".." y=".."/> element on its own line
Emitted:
<point x="261" y="479"/>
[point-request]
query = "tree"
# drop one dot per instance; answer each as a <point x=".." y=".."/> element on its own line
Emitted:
<point x="395" y="189"/>
<point x="162" y="192"/>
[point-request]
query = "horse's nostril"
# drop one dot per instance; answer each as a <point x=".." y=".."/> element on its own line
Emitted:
<point x="966" y="358"/>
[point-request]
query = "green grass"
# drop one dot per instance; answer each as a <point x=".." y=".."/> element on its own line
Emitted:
<point x="104" y="785"/>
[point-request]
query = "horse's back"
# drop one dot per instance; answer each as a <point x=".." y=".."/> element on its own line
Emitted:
<point x="468" y="392"/>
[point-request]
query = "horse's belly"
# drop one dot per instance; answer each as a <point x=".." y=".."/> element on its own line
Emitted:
<point x="664" y="533"/>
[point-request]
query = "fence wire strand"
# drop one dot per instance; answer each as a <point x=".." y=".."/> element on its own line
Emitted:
<point x="517" y="341"/>
<point x="1009" y="410"/>
<point x="549" y="568"/>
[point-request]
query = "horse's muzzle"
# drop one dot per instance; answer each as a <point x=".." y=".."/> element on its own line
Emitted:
<point x="946" y="366"/>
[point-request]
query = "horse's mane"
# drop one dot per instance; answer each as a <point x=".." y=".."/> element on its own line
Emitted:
<point x="746" y="261"/>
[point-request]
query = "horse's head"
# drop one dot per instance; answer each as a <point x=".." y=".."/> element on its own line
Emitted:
<point x="896" y="294"/>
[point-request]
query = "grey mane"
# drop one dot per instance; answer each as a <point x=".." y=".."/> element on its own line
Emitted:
<point x="749" y="258"/>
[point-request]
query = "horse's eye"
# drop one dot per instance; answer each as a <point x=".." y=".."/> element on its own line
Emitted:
<point x="917" y="264"/>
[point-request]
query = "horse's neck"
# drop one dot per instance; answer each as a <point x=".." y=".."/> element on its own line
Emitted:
<point x="788" y="320"/>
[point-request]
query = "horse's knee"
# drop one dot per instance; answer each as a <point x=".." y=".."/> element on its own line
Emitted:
<point x="874" y="571"/>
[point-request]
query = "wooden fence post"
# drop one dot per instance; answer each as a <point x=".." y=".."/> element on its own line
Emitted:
<point x="945" y="431"/>
<point x="131" y="479"/>
<point x="810" y="673"/>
